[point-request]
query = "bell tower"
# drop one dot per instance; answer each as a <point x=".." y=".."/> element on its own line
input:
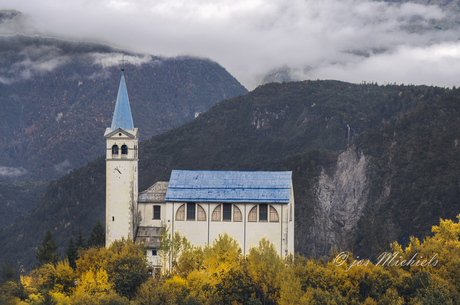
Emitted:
<point x="121" y="170"/>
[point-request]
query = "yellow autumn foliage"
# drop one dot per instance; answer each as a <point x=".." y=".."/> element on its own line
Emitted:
<point x="93" y="281"/>
<point x="424" y="272"/>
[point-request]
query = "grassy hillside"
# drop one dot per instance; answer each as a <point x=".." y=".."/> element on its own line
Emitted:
<point x="257" y="131"/>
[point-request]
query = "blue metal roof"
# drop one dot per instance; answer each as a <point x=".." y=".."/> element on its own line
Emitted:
<point x="229" y="186"/>
<point x="122" y="117"/>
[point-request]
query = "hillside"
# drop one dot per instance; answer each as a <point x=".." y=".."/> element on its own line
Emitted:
<point x="257" y="131"/>
<point x="57" y="97"/>
<point x="18" y="199"/>
<point x="414" y="173"/>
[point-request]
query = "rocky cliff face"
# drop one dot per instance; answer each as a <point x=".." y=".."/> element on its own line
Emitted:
<point x="340" y="199"/>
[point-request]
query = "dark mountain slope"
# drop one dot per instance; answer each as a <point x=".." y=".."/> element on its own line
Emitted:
<point x="57" y="98"/>
<point x="251" y="132"/>
<point x="18" y="199"/>
<point x="256" y="131"/>
<point x="415" y="173"/>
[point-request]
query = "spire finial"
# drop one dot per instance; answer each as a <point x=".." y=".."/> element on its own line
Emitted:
<point x="123" y="62"/>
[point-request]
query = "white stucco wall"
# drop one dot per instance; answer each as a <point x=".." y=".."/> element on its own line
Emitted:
<point x="248" y="234"/>
<point x="121" y="186"/>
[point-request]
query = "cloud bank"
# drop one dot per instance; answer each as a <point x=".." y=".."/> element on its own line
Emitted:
<point x="350" y="40"/>
<point x="12" y="172"/>
<point x="31" y="57"/>
<point x="64" y="167"/>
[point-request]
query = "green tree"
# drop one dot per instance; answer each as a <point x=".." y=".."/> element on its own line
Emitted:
<point x="173" y="291"/>
<point x="233" y="287"/>
<point x="81" y="243"/>
<point x="46" y="251"/>
<point x="72" y="253"/>
<point x="265" y="268"/>
<point x="171" y="248"/>
<point x="6" y="272"/>
<point x="126" y="266"/>
<point x="97" y="236"/>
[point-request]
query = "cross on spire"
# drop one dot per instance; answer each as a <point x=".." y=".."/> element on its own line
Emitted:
<point x="123" y="62"/>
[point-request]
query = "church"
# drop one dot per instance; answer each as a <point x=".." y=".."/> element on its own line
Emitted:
<point x="199" y="204"/>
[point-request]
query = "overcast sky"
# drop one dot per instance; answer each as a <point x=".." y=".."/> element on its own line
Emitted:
<point x="349" y="40"/>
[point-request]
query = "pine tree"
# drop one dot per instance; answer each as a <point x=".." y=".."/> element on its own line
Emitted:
<point x="46" y="252"/>
<point x="72" y="253"/>
<point x="7" y="272"/>
<point x="81" y="243"/>
<point x="97" y="236"/>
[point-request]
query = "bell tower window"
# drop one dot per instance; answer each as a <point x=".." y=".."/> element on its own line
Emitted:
<point x="115" y="150"/>
<point x="124" y="150"/>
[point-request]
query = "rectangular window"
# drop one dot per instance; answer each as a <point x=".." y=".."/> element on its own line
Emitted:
<point x="263" y="213"/>
<point x="157" y="212"/>
<point x="191" y="211"/>
<point x="154" y="252"/>
<point x="227" y="214"/>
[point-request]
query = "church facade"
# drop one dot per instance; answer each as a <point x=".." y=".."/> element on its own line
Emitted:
<point x="199" y="204"/>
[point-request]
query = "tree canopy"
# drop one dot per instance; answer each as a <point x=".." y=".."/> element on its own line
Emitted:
<point x="46" y="251"/>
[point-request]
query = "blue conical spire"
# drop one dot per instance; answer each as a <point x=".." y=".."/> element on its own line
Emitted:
<point x="122" y="117"/>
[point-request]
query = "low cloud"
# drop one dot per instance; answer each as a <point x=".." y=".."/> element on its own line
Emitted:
<point x="332" y="39"/>
<point x="430" y="65"/>
<point x="64" y="167"/>
<point x="12" y="172"/>
<point x="27" y="69"/>
<point x="107" y="60"/>
<point x="35" y="56"/>
<point x="7" y="16"/>
<point x="34" y="60"/>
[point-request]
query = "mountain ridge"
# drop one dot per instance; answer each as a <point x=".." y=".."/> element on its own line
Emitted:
<point x="299" y="126"/>
<point x="57" y="97"/>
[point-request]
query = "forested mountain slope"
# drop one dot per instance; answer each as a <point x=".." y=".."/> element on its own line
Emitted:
<point x="299" y="126"/>
<point x="57" y="97"/>
<point x="414" y="173"/>
<point x="18" y="199"/>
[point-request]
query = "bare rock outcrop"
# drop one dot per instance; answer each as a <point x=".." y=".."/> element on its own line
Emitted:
<point x="340" y="200"/>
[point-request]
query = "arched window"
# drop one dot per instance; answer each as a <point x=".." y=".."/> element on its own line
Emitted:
<point x="115" y="150"/>
<point x="216" y="213"/>
<point x="253" y="214"/>
<point x="261" y="215"/>
<point x="274" y="215"/>
<point x="200" y="213"/>
<point x="124" y="150"/>
<point x="180" y="214"/>
<point x="237" y="216"/>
